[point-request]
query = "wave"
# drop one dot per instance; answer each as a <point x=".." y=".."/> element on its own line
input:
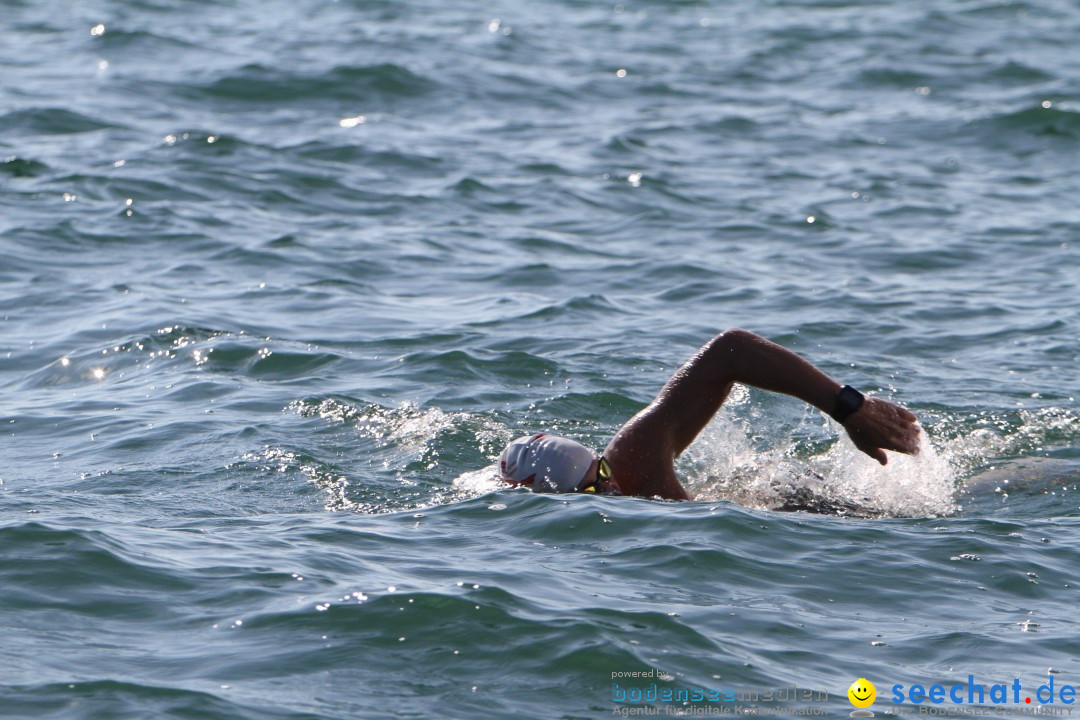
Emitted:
<point x="61" y="569"/>
<point x="21" y="167"/>
<point x="50" y="121"/>
<point x="127" y="698"/>
<point x="1053" y="123"/>
<point x="256" y="83"/>
<point x="351" y="155"/>
<point x="406" y="446"/>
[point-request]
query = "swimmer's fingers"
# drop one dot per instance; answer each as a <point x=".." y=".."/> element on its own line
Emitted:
<point x="903" y="431"/>
<point x="879" y="425"/>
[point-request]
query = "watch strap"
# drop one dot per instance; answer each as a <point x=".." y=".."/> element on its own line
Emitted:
<point x="848" y="400"/>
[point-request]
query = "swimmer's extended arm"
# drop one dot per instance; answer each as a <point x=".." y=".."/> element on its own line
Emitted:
<point x="697" y="390"/>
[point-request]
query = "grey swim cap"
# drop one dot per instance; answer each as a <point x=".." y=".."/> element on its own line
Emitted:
<point x="545" y="463"/>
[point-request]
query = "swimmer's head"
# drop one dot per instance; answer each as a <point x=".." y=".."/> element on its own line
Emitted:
<point x="546" y="463"/>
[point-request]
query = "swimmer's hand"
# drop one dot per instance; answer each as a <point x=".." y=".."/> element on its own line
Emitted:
<point x="879" y="425"/>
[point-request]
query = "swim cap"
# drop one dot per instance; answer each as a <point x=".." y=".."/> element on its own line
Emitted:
<point x="545" y="463"/>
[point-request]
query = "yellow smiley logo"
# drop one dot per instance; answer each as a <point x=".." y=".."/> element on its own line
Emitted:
<point x="862" y="693"/>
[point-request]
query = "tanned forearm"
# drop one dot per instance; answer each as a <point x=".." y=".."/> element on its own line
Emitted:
<point x="743" y="357"/>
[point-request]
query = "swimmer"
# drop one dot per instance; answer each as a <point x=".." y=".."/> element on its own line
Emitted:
<point x="640" y="459"/>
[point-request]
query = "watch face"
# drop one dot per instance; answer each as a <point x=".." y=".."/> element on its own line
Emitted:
<point x="848" y="400"/>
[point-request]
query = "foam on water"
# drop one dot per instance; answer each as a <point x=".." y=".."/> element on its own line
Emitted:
<point x="727" y="462"/>
<point x="407" y="443"/>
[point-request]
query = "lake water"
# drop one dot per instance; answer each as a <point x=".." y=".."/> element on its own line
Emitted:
<point x="279" y="279"/>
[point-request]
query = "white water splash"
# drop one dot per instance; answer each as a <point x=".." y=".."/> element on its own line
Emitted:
<point x="479" y="482"/>
<point x="726" y="463"/>
<point x="404" y="434"/>
<point x="909" y="486"/>
<point x="811" y="465"/>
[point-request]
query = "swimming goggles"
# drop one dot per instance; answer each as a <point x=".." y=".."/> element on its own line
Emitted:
<point x="603" y="474"/>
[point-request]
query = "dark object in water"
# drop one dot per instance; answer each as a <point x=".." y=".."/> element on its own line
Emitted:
<point x="803" y="499"/>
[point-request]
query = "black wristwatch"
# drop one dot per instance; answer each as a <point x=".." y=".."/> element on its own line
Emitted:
<point x="848" y="400"/>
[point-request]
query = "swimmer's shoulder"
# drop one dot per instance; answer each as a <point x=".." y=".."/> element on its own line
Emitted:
<point x="641" y="466"/>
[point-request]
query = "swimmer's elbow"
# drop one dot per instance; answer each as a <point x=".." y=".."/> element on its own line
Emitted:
<point x="735" y="338"/>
